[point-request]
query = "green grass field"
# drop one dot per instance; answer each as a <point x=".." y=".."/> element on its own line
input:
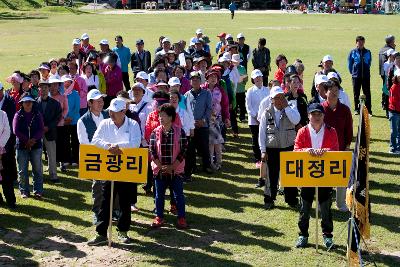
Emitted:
<point x="229" y="226"/>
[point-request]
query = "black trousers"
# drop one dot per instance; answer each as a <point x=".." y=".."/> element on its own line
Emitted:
<point x="325" y="202"/>
<point x="71" y="144"/>
<point x="241" y="103"/>
<point x="366" y="88"/>
<point x="9" y="175"/>
<point x="265" y="77"/>
<point x="234" y="125"/>
<point x="273" y="163"/>
<point x="199" y="142"/>
<point x="125" y="80"/>
<point x="254" y="138"/>
<point x="124" y="191"/>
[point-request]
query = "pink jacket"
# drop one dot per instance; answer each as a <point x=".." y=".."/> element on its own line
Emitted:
<point x="177" y="135"/>
<point x="83" y="90"/>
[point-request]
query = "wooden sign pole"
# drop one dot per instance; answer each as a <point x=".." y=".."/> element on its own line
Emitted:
<point x="111" y="210"/>
<point x="316" y="219"/>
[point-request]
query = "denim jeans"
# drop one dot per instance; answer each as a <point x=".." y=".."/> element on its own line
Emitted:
<point x="34" y="156"/>
<point x="394" y="119"/>
<point x="161" y="185"/>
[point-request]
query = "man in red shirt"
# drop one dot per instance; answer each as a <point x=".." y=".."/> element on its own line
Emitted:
<point x="338" y="116"/>
<point x="316" y="138"/>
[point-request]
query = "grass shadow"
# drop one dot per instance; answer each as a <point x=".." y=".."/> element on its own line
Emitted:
<point x="19" y="16"/>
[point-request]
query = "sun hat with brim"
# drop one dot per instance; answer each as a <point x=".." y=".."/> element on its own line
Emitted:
<point x="174" y="81"/>
<point x="161" y="83"/>
<point x="66" y="78"/>
<point x="315" y="107"/>
<point x="142" y="75"/>
<point x="103" y="42"/>
<point x="276" y="90"/>
<point x="197" y="60"/>
<point x="117" y="105"/>
<point x="16" y="76"/>
<point x="55" y="79"/>
<point x="44" y="82"/>
<point x="44" y="67"/>
<point x="26" y="99"/>
<point x="213" y="72"/>
<point x="94" y="94"/>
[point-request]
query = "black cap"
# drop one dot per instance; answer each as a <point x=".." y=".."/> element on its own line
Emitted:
<point x="139" y="41"/>
<point x="315" y="107"/>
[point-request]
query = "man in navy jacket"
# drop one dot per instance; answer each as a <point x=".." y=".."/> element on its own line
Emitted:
<point x="359" y="64"/>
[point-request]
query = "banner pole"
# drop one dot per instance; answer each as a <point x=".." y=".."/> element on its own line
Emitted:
<point x="110" y="220"/>
<point x="350" y="241"/>
<point x="316" y="219"/>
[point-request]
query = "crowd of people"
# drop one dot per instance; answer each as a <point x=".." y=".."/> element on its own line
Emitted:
<point x="182" y="106"/>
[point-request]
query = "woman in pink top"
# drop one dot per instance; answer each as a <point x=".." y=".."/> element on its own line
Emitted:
<point x="113" y="75"/>
<point x="79" y="85"/>
<point x="219" y="116"/>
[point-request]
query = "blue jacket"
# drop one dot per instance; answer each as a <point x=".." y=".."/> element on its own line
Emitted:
<point x="124" y="54"/>
<point x="73" y="107"/>
<point x="359" y="63"/>
<point x="232" y="6"/>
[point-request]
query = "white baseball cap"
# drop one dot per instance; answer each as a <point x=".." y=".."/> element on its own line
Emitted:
<point x="117" y="105"/>
<point x="66" y="77"/>
<point x="55" y="79"/>
<point x="104" y="42"/>
<point x="85" y="36"/>
<point x="256" y="73"/>
<point x="76" y="41"/>
<point x="276" y="90"/>
<point x="142" y="75"/>
<point x="321" y="79"/>
<point x="229" y="36"/>
<point x="240" y="35"/>
<point x="224" y="58"/>
<point x="333" y="75"/>
<point x="327" y="58"/>
<point x="198" y="31"/>
<point x="94" y="94"/>
<point x="139" y="85"/>
<point x="236" y="58"/>
<point x="174" y="81"/>
<point x="166" y="39"/>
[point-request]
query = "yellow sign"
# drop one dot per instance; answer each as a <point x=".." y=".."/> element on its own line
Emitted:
<point x="98" y="164"/>
<point x="300" y="169"/>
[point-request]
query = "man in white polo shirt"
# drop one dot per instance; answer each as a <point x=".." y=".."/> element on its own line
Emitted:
<point x="113" y="134"/>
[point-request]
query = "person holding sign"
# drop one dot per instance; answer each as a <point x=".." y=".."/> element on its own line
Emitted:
<point x="113" y="134"/>
<point x="168" y="145"/>
<point x="316" y="138"/>
<point x="277" y="133"/>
